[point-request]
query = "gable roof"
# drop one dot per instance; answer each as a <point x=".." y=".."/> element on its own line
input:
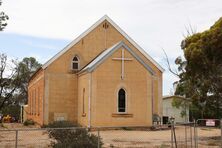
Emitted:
<point x="93" y="27"/>
<point x="108" y="52"/>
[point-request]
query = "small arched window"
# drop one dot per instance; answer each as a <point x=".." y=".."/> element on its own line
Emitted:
<point x="121" y="101"/>
<point x="75" y="63"/>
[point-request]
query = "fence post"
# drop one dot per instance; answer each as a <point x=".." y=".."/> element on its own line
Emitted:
<point x="191" y="137"/>
<point x="175" y="138"/>
<point x="98" y="134"/>
<point x="194" y="133"/>
<point x="197" y="138"/>
<point x="186" y="134"/>
<point x="221" y="133"/>
<point x="171" y="124"/>
<point x="16" y="138"/>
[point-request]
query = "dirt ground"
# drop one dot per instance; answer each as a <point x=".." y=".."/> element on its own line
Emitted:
<point x="208" y="137"/>
<point x="26" y="138"/>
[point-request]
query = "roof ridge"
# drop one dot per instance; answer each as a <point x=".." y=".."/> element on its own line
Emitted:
<point x="97" y="61"/>
<point x="85" y="67"/>
<point x="105" y="17"/>
<point x="94" y="59"/>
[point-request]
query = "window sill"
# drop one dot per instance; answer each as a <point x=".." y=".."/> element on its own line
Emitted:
<point x="74" y="71"/>
<point x="122" y="115"/>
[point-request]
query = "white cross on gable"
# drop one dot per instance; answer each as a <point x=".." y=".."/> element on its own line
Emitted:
<point x="122" y="59"/>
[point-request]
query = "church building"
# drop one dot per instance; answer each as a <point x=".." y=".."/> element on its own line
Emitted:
<point x="102" y="78"/>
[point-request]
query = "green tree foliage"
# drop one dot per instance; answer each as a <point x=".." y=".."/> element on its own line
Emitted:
<point x="181" y="103"/>
<point x="9" y="81"/>
<point x="3" y="19"/>
<point x="200" y="72"/>
<point x="27" y="67"/>
<point x="14" y="77"/>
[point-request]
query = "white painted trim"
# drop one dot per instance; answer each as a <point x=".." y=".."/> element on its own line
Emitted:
<point x="135" y="44"/>
<point x="126" y="103"/>
<point x="93" y="27"/>
<point x="96" y="62"/>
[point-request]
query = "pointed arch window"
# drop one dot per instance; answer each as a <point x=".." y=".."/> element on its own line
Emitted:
<point x="121" y="101"/>
<point x="75" y="63"/>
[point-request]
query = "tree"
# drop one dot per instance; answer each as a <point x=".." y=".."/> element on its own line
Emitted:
<point x="27" y="67"/>
<point x="200" y="72"/>
<point x="9" y="81"/>
<point x="182" y="104"/>
<point x="3" y="19"/>
<point x="14" y="77"/>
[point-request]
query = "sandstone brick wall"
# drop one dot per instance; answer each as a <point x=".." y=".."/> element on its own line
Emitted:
<point x="36" y="97"/>
<point x="61" y="91"/>
<point x="106" y="80"/>
<point x="83" y="99"/>
<point x="61" y="97"/>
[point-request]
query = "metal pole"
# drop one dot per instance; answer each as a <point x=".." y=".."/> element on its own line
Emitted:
<point x="191" y="138"/>
<point x="194" y="134"/>
<point x="197" y="133"/>
<point x="171" y="134"/>
<point x="221" y="133"/>
<point x="174" y="136"/>
<point x="186" y="135"/>
<point x="16" y="138"/>
<point x="98" y="138"/>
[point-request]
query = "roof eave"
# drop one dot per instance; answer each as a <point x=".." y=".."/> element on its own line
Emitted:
<point x="105" y="17"/>
<point x="113" y="49"/>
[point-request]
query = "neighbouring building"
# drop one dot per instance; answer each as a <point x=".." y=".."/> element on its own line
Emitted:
<point x="171" y="111"/>
<point x="102" y="78"/>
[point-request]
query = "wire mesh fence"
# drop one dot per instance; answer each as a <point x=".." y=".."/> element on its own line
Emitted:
<point x="208" y="133"/>
<point x="84" y="137"/>
<point x="197" y="134"/>
<point x="7" y="139"/>
<point x="183" y="135"/>
<point x="24" y="138"/>
<point x="33" y="138"/>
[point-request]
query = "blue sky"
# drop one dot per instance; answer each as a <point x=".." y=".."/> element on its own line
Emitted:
<point x="20" y="46"/>
<point x="41" y="28"/>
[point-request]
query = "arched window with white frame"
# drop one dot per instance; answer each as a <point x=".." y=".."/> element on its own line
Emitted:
<point x="75" y="63"/>
<point x="122" y="101"/>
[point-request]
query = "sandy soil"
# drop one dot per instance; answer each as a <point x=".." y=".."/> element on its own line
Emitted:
<point x="121" y="138"/>
<point x="26" y="138"/>
<point x="115" y="138"/>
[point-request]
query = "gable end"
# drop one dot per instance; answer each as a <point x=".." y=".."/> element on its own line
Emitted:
<point x="99" y="60"/>
<point x="93" y="27"/>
